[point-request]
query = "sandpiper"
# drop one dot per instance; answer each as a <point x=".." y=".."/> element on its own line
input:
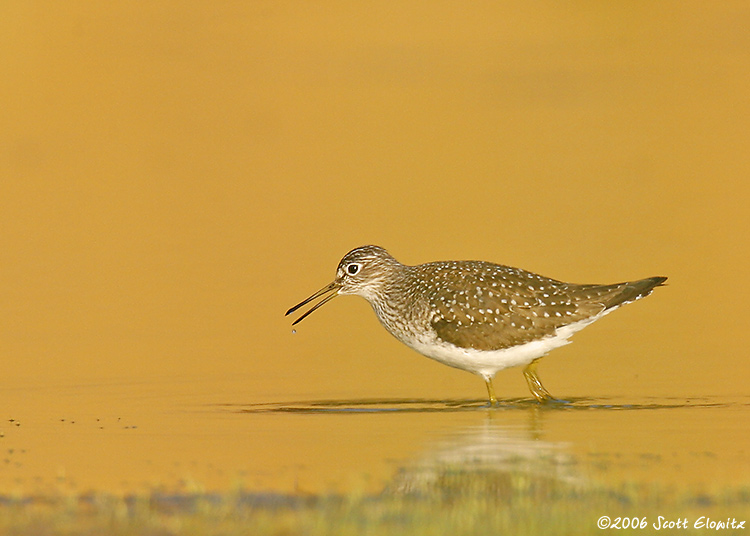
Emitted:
<point x="473" y="315"/>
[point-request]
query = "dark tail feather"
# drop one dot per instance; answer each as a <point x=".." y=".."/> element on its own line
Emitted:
<point x="628" y="292"/>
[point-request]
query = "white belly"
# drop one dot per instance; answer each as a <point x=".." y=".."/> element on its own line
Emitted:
<point x="487" y="363"/>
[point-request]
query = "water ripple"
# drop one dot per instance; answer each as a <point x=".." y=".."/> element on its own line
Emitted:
<point x="421" y="405"/>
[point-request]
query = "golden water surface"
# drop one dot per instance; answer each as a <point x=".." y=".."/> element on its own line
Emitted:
<point x="175" y="176"/>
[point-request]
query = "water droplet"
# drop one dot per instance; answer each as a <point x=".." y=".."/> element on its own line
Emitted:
<point x="294" y="331"/>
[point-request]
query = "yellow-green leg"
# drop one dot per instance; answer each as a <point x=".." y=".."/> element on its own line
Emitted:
<point x="490" y="391"/>
<point x="535" y="384"/>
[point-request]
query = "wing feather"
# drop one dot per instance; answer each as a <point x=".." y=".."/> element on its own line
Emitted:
<point x="492" y="307"/>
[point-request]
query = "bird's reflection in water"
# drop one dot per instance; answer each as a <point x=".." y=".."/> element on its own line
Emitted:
<point x="490" y="457"/>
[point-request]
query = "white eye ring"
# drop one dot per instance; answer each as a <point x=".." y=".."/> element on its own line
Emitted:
<point x="353" y="268"/>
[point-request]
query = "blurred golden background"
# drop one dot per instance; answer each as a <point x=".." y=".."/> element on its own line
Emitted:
<point x="174" y="176"/>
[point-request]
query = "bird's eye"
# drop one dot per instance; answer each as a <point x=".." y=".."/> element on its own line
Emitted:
<point x="353" y="268"/>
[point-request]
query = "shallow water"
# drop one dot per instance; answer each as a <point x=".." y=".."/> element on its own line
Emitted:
<point x="137" y="438"/>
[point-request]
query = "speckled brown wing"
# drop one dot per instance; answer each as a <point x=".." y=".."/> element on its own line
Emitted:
<point x="492" y="307"/>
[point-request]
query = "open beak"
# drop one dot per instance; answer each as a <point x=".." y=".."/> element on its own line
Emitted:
<point x="331" y="290"/>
